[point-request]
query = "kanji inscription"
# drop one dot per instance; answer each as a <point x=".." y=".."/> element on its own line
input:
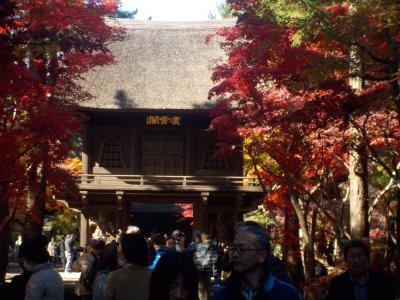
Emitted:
<point x="163" y="120"/>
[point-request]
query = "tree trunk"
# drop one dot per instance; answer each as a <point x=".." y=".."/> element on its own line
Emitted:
<point x="358" y="185"/>
<point x="398" y="232"/>
<point x="4" y="240"/>
<point x="309" y="258"/>
<point x="30" y="201"/>
<point x="310" y="250"/>
<point x="36" y="203"/>
<point x="40" y="201"/>
<point x="394" y="82"/>
<point x="291" y="251"/>
<point x="391" y="248"/>
<point x="358" y="172"/>
<point x="4" y="234"/>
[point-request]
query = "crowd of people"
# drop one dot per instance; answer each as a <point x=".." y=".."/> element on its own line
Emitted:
<point x="132" y="267"/>
<point x="62" y="252"/>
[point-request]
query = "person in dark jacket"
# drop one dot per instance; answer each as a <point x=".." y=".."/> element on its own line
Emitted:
<point x="251" y="278"/>
<point x="358" y="283"/>
<point x="16" y="288"/>
<point x="273" y="264"/>
<point x="108" y="262"/>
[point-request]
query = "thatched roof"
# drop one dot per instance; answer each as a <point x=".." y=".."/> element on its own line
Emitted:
<point x="160" y="65"/>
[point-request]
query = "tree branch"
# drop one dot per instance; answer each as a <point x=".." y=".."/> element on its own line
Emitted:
<point x="7" y="219"/>
<point x="387" y="188"/>
<point x="374" y="153"/>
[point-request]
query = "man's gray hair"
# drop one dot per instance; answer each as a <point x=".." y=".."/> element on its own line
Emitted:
<point x="263" y="241"/>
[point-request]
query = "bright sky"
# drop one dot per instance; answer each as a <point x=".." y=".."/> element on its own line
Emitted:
<point x="172" y="10"/>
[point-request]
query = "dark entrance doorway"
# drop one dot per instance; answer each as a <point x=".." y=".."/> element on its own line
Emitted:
<point x="162" y="218"/>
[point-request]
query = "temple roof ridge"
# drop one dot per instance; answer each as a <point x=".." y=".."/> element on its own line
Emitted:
<point x="150" y="24"/>
<point x="160" y="65"/>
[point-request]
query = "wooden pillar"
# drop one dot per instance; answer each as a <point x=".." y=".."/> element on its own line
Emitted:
<point x="196" y="215"/>
<point x="134" y="152"/>
<point x="119" y="219"/>
<point x="84" y="230"/>
<point x="200" y="213"/>
<point x="84" y="223"/>
<point x="238" y="201"/>
<point x="126" y="212"/>
<point x="204" y="212"/>
<point x="119" y="213"/>
<point x="189" y="147"/>
<point x="85" y="156"/>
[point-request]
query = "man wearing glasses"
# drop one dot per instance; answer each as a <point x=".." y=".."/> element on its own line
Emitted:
<point x="358" y="283"/>
<point x="251" y="278"/>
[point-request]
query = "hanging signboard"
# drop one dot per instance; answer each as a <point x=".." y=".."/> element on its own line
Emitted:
<point x="155" y="120"/>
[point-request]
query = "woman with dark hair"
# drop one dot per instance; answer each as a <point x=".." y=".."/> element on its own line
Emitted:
<point x="174" y="278"/>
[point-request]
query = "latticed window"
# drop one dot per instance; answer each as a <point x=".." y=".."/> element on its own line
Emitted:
<point x="111" y="156"/>
<point x="212" y="161"/>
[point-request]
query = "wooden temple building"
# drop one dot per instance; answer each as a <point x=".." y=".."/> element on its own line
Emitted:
<point x="146" y="151"/>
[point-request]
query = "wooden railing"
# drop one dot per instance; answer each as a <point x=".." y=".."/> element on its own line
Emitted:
<point x="113" y="181"/>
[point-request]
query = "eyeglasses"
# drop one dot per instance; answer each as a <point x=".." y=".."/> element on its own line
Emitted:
<point x="356" y="256"/>
<point x="238" y="249"/>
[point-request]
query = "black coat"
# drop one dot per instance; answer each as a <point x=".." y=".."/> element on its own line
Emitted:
<point x="379" y="288"/>
<point x="16" y="288"/>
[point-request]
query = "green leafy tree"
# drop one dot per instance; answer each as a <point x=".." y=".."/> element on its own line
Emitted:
<point x="63" y="222"/>
<point x="211" y="16"/>
<point x="225" y="11"/>
<point x="125" y="14"/>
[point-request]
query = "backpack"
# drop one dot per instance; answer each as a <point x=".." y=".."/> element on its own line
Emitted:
<point x="89" y="277"/>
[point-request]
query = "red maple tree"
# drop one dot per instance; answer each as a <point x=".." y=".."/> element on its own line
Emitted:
<point x="292" y="105"/>
<point x="45" y="47"/>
